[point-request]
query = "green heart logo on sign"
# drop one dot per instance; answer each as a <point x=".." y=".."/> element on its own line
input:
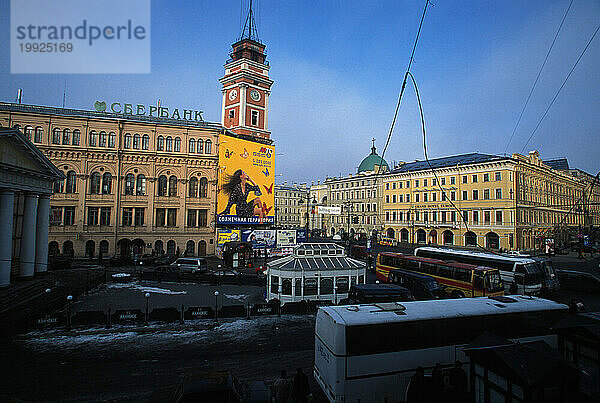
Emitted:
<point x="100" y="106"/>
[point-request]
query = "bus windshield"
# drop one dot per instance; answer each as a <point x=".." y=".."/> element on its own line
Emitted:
<point x="493" y="281"/>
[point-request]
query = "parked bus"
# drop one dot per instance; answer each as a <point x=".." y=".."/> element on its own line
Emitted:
<point x="461" y="280"/>
<point x="551" y="283"/>
<point x="373" y="293"/>
<point x="422" y="286"/>
<point x="520" y="275"/>
<point x="368" y="353"/>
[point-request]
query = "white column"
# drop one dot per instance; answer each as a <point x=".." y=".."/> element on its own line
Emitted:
<point x="27" y="255"/>
<point x="7" y="200"/>
<point x="41" y="234"/>
<point x="243" y="90"/>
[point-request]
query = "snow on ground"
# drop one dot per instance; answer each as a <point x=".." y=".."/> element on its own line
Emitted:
<point x="239" y="297"/>
<point x="144" y="289"/>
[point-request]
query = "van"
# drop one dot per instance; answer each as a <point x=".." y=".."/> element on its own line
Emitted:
<point x="376" y="293"/>
<point x="422" y="286"/>
<point x="191" y="265"/>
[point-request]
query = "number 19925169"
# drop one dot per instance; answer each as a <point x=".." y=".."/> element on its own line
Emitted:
<point x="45" y="47"/>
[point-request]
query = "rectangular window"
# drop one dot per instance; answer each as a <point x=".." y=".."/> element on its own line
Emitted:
<point x="92" y="216"/>
<point x="453" y="215"/>
<point x="172" y="217"/>
<point x="69" y="215"/>
<point x="202" y="218"/>
<point x="160" y="217"/>
<point x="104" y="215"/>
<point x="486" y="217"/>
<point x="417" y="183"/>
<point x="443" y="180"/>
<point x="434" y="216"/>
<point x="453" y="195"/>
<point x="452" y="180"/>
<point x="465" y="195"/>
<point x="139" y="216"/>
<point x="254" y="118"/>
<point x="486" y="194"/>
<point x="400" y="185"/>
<point x="231" y="113"/>
<point x="127" y="220"/>
<point x="498" y="193"/>
<point x="394" y="185"/>
<point x="475" y="194"/>
<point x="416" y="197"/>
<point x="486" y="177"/>
<point x="464" y="179"/>
<point x="393" y="198"/>
<point x="424" y="197"/>
<point x="408" y="198"/>
<point x="387" y="186"/>
<point x="424" y="182"/>
<point x="407" y="184"/>
<point x="191" y="218"/>
<point x="444" y="196"/>
<point x="465" y="215"/>
<point x="474" y="178"/>
<point x="400" y="216"/>
<point x="475" y="217"/>
<point x="400" y="198"/>
<point x="498" y="176"/>
<point x="387" y="216"/>
<point x="498" y="217"/>
<point x="387" y="198"/>
<point x="434" y="196"/>
<point x="56" y="215"/>
<point x="443" y="216"/>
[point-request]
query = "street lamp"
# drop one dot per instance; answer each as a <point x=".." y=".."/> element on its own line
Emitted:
<point x="314" y="204"/>
<point x="307" y="201"/>
<point x="279" y="297"/>
<point x="69" y="299"/>
<point x="216" y="304"/>
<point x="335" y="290"/>
<point x="147" y="296"/>
<point x="48" y="291"/>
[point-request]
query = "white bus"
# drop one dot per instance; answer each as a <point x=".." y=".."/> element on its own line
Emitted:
<point x="368" y="353"/>
<point x="520" y="274"/>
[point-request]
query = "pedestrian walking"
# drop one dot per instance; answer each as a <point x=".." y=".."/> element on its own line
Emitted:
<point x="282" y="388"/>
<point x="300" y="387"/>
<point x="436" y="389"/>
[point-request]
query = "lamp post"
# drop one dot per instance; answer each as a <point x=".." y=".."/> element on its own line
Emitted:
<point x="314" y="204"/>
<point x="69" y="299"/>
<point x="47" y="293"/>
<point x="335" y="290"/>
<point x="216" y="304"/>
<point x="279" y="297"/>
<point x="147" y="296"/>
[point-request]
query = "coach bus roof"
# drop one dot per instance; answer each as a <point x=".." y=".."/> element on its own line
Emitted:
<point x="479" y="253"/>
<point x="438" y="261"/>
<point x="448" y="308"/>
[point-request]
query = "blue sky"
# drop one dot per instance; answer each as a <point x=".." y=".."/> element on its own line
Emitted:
<point x="338" y="67"/>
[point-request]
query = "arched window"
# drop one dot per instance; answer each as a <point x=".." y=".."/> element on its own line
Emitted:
<point x="106" y="183"/>
<point x="136" y="141"/>
<point x="66" y="137"/>
<point x="207" y="147"/>
<point x="28" y="131"/>
<point x="56" y="136"/>
<point x="71" y="182"/>
<point x="140" y="186"/>
<point x="103" y="247"/>
<point x="189" y="248"/>
<point x="200" y="146"/>
<point x="448" y="237"/>
<point x="160" y="143"/>
<point x="93" y="138"/>
<point x="203" y="187"/>
<point x="492" y="240"/>
<point x="145" y="142"/>
<point x="470" y="239"/>
<point x="102" y="139"/>
<point x="162" y="185"/>
<point x="95" y="183"/>
<point x="127" y="142"/>
<point x="76" y="137"/>
<point x="158" y="247"/>
<point x="111" y="139"/>
<point x="193" y="187"/>
<point x="37" y="137"/>
<point x="171" y="245"/>
<point x="177" y="147"/>
<point x="129" y="184"/>
<point x="192" y="147"/>
<point x="172" y="185"/>
<point x="169" y="145"/>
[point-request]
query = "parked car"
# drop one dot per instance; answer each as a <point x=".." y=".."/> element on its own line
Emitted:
<point x="146" y="260"/>
<point x="119" y="260"/>
<point x="193" y="265"/>
<point x="375" y="293"/>
<point x="578" y="281"/>
<point x="422" y="286"/>
<point x="165" y="259"/>
<point x="161" y="273"/>
<point x="226" y="273"/>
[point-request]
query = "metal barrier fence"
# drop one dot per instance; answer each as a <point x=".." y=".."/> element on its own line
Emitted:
<point x="180" y="315"/>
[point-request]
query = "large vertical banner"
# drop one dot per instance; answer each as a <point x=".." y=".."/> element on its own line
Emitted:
<point x="245" y="188"/>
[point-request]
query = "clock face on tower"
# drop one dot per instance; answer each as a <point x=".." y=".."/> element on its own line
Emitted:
<point x="255" y="95"/>
<point x="232" y="94"/>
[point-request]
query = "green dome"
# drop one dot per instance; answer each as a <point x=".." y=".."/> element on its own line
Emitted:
<point x="373" y="160"/>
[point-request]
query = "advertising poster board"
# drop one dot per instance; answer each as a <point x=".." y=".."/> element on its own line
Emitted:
<point x="301" y="235"/>
<point x="245" y="185"/>
<point x="286" y="237"/>
<point x="260" y="238"/>
<point x="331" y="210"/>
<point x="227" y="235"/>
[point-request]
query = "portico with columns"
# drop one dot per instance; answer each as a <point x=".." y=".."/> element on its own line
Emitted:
<point x="26" y="179"/>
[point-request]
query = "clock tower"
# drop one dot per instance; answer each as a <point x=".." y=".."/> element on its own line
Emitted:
<point x="246" y="85"/>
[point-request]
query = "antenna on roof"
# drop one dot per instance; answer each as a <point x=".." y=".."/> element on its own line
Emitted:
<point x="64" y="93"/>
<point x="250" y="31"/>
<point x="19" y="95"/>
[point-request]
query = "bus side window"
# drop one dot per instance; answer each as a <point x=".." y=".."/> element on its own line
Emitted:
<point x="478" y="282"/>
<point x="462" y="274"/>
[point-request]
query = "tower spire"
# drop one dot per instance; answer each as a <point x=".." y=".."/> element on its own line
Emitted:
<point x="250" y="31"/>
<point x="373" y="147"/>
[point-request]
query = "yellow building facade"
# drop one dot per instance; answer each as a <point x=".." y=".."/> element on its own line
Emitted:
<point x="134" y="184"/>
<point x="479" y="199"/>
